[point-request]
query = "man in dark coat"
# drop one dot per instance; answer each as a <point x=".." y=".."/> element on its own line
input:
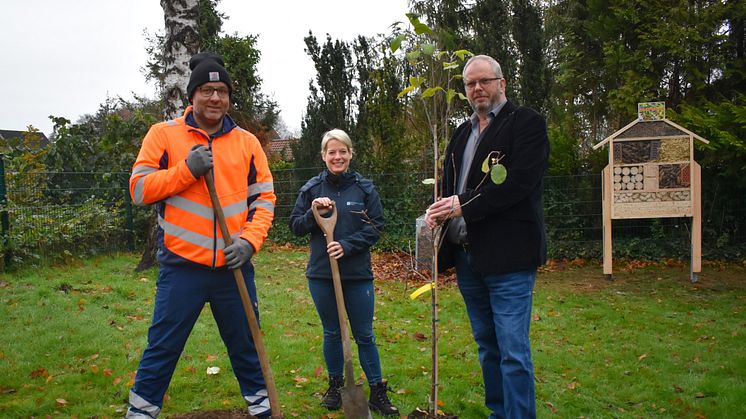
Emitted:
<point x="494" y="231"/>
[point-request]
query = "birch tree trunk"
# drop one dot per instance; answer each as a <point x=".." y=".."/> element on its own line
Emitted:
<point x="181" y="41"/>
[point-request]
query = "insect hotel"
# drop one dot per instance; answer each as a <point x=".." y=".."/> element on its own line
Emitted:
<point x="651" y="174"/>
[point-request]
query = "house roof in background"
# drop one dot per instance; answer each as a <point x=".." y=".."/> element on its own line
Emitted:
<point x="281" y="147"/>
<point x="6" y="134"/>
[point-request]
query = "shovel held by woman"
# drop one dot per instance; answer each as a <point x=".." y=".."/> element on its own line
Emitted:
<point x="354" y="403"/>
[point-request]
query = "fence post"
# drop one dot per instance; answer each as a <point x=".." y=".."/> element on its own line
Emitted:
<point x="129" y="224"/>
<point x="4" y="221"/>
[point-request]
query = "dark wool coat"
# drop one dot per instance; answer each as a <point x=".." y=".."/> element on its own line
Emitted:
<point x="504" y="223"/>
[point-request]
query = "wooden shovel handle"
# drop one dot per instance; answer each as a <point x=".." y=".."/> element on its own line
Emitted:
<point x="327" y="225"/>
<point x="256" y="333"/>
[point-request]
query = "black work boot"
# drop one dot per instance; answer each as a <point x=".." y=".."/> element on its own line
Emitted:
<point x="333" y="398"/>
<point x="379" y="401"/>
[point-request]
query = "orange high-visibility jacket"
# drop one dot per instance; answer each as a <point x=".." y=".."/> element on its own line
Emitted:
<point x="187" y="227"/>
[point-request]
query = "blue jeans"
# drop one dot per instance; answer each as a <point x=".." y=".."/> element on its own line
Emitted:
<point x="180" y="296"/>
<point x="499" y="308"/>
<point x="359" y="301"/>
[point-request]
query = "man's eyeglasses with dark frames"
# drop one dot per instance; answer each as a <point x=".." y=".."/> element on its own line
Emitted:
<point x="482" y="82"/>
<point x="207" y="91"/>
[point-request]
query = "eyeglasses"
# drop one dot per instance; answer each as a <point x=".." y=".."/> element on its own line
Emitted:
<point x="207" y="91"/>
<point x="482" y="82"/>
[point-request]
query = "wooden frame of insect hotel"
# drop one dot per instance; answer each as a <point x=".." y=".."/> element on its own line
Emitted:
<point x="652" y="173"/>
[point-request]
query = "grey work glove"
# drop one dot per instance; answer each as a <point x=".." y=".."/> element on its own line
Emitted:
<point x="199" y="160"/>
<point x="238" y="253"/>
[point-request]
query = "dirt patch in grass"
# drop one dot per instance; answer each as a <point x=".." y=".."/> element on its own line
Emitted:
<point x="398" y="266"/>
<point x="581" y="275"/>
<point x="214" y="414"/>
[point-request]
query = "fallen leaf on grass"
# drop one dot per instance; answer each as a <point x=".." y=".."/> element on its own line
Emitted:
<point x="317" y="372"/>
<point x="404" y="391"/>
<point x="573" y="385"/>
<point x="131" y="375"/>
<point x="107" y="372"/>
<point x="211" y="358"/>
<point x="94" y="368"/>
<point x="551" y="407"/>
<point x="61" y="402"/>
<point x="39" y="372"/>
<point x="213" y="370"/>
<point x="419" y="337"/>
<point x="641" y="357"/>
<point x="117" y="381"/>
<point x="678" y="389"/>
<point x="300" y="380"/>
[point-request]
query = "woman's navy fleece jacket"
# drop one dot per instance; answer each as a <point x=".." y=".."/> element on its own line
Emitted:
<point x="359" y="223"/>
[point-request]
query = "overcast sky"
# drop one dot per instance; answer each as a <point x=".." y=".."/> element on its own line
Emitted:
<point x="64" y="58"/>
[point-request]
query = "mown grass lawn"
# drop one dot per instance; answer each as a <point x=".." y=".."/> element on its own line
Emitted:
<point x="648" y="344"/>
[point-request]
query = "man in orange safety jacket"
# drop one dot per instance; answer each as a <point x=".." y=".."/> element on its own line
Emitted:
<point x="195" y="265"/>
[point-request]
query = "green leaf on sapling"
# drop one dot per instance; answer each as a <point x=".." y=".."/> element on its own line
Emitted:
<point x="498" y="174"/>
<point x="486" y="165"/>
<point x="427" y="49"/>
<point x="412" y="56"/>
<point x="396" y="42"/>
<point x="430" y="91"/>
<point x="462" y="53"/>
<point x="405" y="92"/>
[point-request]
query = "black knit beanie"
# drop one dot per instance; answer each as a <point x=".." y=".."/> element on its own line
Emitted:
<point x="207" y="67"/>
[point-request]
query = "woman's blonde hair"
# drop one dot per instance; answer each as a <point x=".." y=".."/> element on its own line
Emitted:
<point x="335" y="134"/>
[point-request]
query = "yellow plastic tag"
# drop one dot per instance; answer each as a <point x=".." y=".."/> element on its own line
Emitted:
<point x="421" y="290"/>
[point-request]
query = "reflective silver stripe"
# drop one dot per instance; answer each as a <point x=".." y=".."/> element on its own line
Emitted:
<point x="261" y="203"/>
<point x="260" y="187"/>
<point x="138" y="195"/>
<point x="189" y="236"/>
<point x="234" y="209"/>
<point x="141" y="404"/>
<point x="205" y="211"/>
<point x="259" y="403"/>
<point x="143" y="169"/>
<point x="191" y="207"/>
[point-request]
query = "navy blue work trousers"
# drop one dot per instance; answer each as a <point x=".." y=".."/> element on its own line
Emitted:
<point x="180" y="297"/>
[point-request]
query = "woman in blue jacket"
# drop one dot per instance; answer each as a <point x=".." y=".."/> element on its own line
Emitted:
<point x="359" y="223"/>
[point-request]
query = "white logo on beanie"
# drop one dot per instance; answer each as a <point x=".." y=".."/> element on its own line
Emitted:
<point x="214" y="76"/>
